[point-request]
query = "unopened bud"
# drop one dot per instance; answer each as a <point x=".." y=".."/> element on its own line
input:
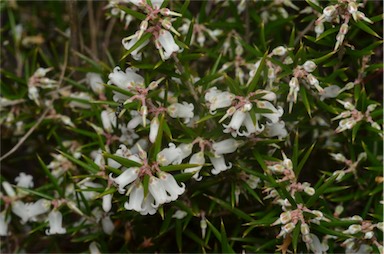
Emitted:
<point x="329" y="11"/>
<point x="309" y="66"/>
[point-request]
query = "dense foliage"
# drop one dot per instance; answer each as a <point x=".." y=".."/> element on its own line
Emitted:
<point x="191" y="126"/>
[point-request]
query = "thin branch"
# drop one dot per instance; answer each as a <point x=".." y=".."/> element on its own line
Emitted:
<point x="92" y="28"/>
<point x="30" y="131"/>
<point x="304" y="32"/>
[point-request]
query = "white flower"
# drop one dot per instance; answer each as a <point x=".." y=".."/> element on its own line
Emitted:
<point x="96" y="83"/>
<point x="253" y="181"/>
<point x="353" y="229"/>
<point x="107" y="225"/>
<point x="276" y="130"/>
<point x="179" y="214"/>
<point x="218" y="99"/>
<point x="24" y="180"/>
<point x="128" y="43"/>
<point x="309" y="66"/>
<point x="108" y="119"/>
<point x="107" y="202"/>
<point x="9" y="189"/>
<point x="279" y="51"/>
<point x="148" y="206"/>
<point x="219" y="164"/>
<point x="4" y="224"/>
<point x="330" y="92"/>
<point x="171" y="155"/>
<point x="136" y="198"/>
<point x="171" y="186"/>
<point x="184" y="110"/>
<point x="199" y="159"/>
<point x="275" y="115"/>
<point x="234" y="125"/>
<point x="165" y="41"/>
<point x="226" y="146"/>
<point x="55" y="223"/>
<point x="125" y="80"/>
<point x="29" y="211"/>
<point x="33" y="94"/>
<point x="154" y="129"/>
<point x="93" y="249"/>
<point x="128" y="176"/>
<point x="316" y="246"/>
<point x="156" y="188"/>
<point x="186" y="150"/>
<point x="250" y="126"/>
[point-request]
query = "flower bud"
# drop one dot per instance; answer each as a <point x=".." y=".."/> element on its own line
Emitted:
<point x="329" y="11"/>
<point x="309" y="66"/>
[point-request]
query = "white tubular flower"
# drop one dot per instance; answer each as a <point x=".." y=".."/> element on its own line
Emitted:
<point x="9" y="189"/>
<point x="316" y="246"/>
<point x="285" y="217"/>
<point x="235" y="123"/>
<point x="276" y="113"/>
<point x="218" y="99"/>
<point x="250" y="126"/>
<point x="55" y="219"/>
<point x="125" y="178"/>
<point x="279" y="51"/>
<point x="186" y="150"/>
<point x="108" y="119"/>
<point x="136" y="198"/>
<point x="179" y="214"/>
<point x="94" y="80"/>
<point x="286" y="229"/>
<point x="199" y="159"/>
<point x="107" y="225"/>
<point x="309" y="190"/>
<point x="107" y="202"/>
<point x="219" y="164"/>
<point x="147" y="206"/>
<point x="169" y="155"/>
<point x="157" y="3"/>
<point x="225" y="146"/>
<point x="158" y="192"/>
<point x="29" y="211"/>
<point x="276" y="130"/>
<point x="93" y="249"/>
<point x="330" y="92"/>
<point x="304" y="228"/>
<point x="167" y="43"/>
<point x="353" y="229"/>
<point x="154" y="129"/>
<point x="319" y="28"/>
<point x="171" y="186"/>
<point x="253" y="181"/>
<point x="309" y="66"/>
<point x="4" y="224"/>
<point x="184" y="110"/>
<point x="125" y="80"/>
<point x="128" y="43"/>
<point x="24" y="180"/>
<point x="135" y="121"/>
<point x="33" y="94"/>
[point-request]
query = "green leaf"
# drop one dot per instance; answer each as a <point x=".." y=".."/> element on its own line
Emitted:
<point x="314" y="6"/>
<point x="170" y="168"/>
<point x="145" y="184"/>
<point x="225" y="247"/>
<point x="118" y="89"/>
<point x="306" y="103"/>
<point x="255" y="79"/>
<point x="91" y="168"/>
<point x="133" y="13"/>
<point x="143" y="38"/>
<point x="234" y="210"/>
<point x="295" y="236"/>
<point x="323" y="58"/>
<point x="37" y="193"/>
<point x="320" y="191"/>
<point x="326" y="33"/>
<point x="366" y="28"/>
<point x="123" y="161"/>
<point x="51" y="177"/>
<point x="303" y="160"/>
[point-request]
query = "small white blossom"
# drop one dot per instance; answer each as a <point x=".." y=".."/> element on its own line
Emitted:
<point x="219" y="164"/>
<point x="178" y="110"/>
<point x="107" y="202"/>
<point x="107" y="225"/>
<point x="96" y="83"/>
<point x="55" y="223"/>
<point x="126" y="177"/>
<point x="24" y="180"/>
<point x="199" y="159"/>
